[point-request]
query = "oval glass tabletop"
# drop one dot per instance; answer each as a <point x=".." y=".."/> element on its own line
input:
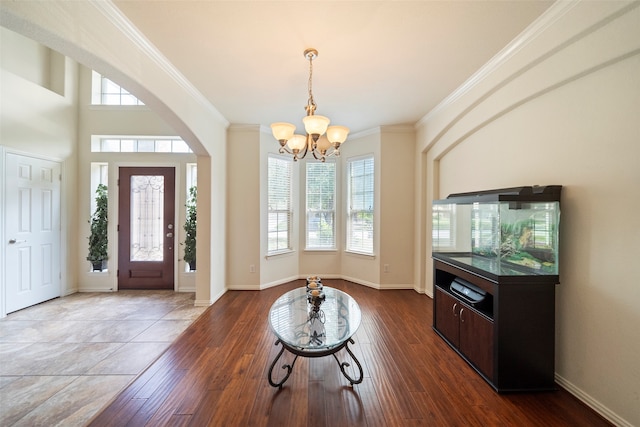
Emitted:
<point x="295" y="323"/>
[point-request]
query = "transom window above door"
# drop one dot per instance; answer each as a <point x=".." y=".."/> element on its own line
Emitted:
<point x="138" y="144"/>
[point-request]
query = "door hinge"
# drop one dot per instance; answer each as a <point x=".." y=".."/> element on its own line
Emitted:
<point x="118" y="273"/>
<point x="118" y="227"/>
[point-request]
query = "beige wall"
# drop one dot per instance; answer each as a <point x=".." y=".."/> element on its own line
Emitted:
<point x="397" y="207"/>
<point x="243" y="205"/>
<point x="565" y="110"/>
<point x="248" y="150"/>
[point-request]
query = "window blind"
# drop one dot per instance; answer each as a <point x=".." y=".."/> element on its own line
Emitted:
<point x="279" y="183"/>
<point x="361" y="202"/>
<point x="321" y="206"/>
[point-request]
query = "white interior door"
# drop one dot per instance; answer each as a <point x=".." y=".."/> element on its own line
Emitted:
<point x="32" y="229"/>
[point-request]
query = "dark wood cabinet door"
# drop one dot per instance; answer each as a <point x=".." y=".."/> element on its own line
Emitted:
<point x="476" y="340"/>
<point x="446" y="316"/>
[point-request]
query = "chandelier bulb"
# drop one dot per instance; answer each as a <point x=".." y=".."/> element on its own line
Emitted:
<point x="315" y="127"/>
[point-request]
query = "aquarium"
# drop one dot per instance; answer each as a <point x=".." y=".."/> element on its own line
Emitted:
<point x="507" y="232"/>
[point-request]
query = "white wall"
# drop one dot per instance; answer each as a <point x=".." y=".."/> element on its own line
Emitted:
<point x="39" y="117"/>
<point x="125" y="121"/>
<point x="117" y="49"/>
<point x="564" y="109"/>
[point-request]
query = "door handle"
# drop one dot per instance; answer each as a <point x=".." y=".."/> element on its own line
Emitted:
<point x="14" y="241"/>
<point x="169" y="234"/>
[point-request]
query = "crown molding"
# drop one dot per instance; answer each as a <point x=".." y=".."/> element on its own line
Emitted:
<point x="556" y="11"/>
<point x="236" y="127"/>
<point x="366" y="132"/>
<point x="405" y="128"/>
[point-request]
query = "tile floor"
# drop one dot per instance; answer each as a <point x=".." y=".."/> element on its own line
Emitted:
<point x="61" y="361"/>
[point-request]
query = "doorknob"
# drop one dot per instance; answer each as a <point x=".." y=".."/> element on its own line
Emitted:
<point x="169" y="234"/>
<point x="14" y="241"/>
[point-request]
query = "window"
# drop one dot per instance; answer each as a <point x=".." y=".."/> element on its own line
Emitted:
<point x="106" y="92"/>
<point x="444" y="226"/>
<point x="360" y="199"/>
<point x="156" y="144"/>
<point x="279" y="182"/>
<point x="321" y="206"/>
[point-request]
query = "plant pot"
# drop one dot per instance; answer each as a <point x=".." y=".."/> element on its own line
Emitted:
<point x="192" y="265"/>
<point x="98" y="265"/>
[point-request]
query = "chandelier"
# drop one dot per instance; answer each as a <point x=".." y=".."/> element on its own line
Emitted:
<point x="321" y="139"/>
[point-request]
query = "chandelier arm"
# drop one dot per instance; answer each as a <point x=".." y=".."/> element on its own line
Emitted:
<point x="304" y="153"/>
<point x="315" y="156"/>
<point x="283" y="149"/>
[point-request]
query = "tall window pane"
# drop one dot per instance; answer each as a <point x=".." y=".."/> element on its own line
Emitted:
<point x="360" y="210"/>
<point x="321" y="206"/>
<point x="279" y="204"/>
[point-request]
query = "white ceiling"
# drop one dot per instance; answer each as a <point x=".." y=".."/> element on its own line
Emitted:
<point x="379" y="63"/>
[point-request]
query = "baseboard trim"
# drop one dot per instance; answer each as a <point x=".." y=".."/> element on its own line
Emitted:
<point x="591" y="402"/>
<point x="95" y="290"/>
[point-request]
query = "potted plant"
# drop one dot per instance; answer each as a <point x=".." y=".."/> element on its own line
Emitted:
<point x="98" y="239"/>
<point x="190" y="229"/>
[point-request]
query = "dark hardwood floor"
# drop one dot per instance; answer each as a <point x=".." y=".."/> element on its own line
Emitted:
<point x="216" y="374"/>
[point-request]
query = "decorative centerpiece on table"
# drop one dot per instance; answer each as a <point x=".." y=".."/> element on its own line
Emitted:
<point x="315" y="295"/>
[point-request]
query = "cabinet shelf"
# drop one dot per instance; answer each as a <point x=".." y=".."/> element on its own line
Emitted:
<point x="508" y="340"/>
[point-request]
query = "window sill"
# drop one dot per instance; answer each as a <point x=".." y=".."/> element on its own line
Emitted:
<point x="113" y="107"/>
<point x="321" y="250"/>
<point x="288" y="252"/>
<point x="362" y="254"/>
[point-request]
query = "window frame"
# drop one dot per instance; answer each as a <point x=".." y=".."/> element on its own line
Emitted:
<point x="311" y="212"/>
<point x="288" y="210"/>
<point x="368" y="186"/>
<point x="131" y="144"/>
<point x="99" y="94"/>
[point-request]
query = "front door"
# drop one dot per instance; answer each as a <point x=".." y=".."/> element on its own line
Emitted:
<point x="32" y="229"/>
<point x="146" y="228"/>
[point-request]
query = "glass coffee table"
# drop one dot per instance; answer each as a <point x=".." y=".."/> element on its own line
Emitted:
<point x="304" y="331"/>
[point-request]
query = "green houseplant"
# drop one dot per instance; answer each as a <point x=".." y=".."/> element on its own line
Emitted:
<point x="98" y="239"/>
<point x="190" y="229"/>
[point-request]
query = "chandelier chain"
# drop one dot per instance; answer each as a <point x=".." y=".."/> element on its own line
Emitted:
<point x="311" y="105"/>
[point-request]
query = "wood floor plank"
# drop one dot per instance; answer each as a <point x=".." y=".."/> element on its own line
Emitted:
<point x="215" y="373"/>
